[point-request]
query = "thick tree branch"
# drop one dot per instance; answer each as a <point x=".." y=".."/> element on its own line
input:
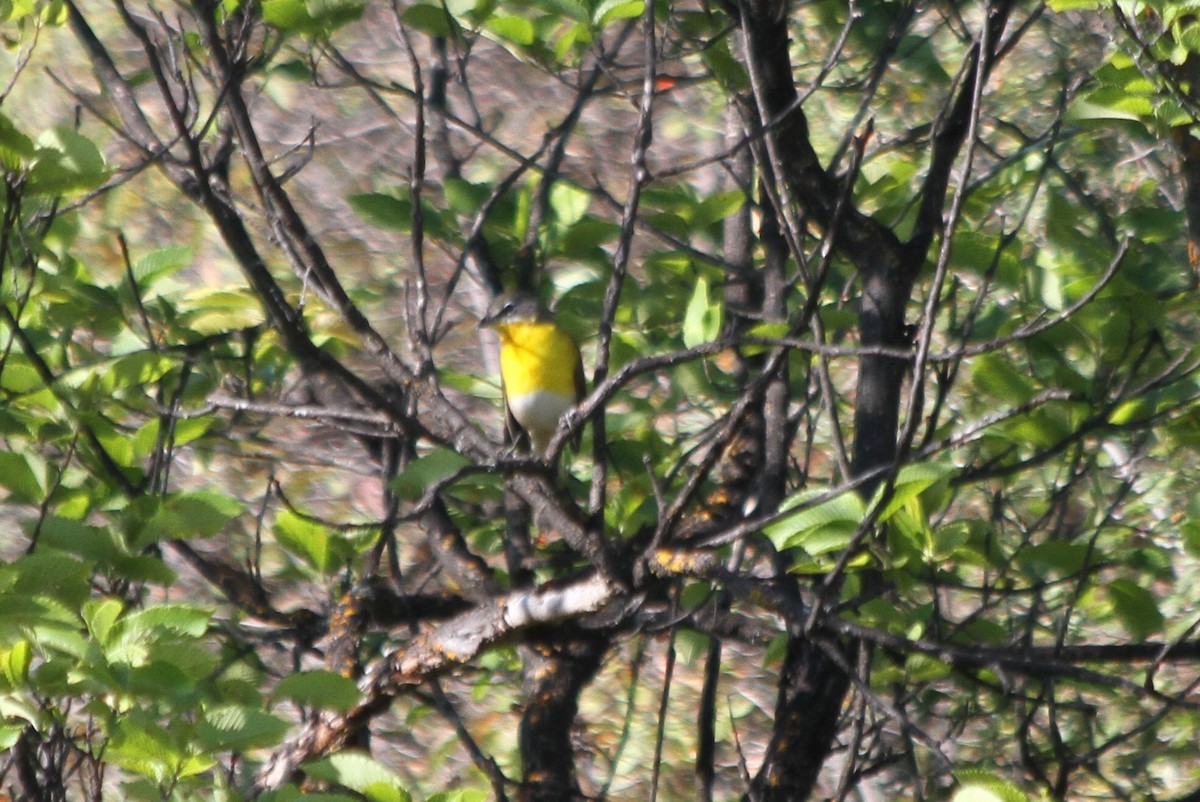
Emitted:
<point x="453" y="643"/>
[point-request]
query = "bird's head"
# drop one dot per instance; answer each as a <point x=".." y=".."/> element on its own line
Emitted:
<point x="514" y="307"/>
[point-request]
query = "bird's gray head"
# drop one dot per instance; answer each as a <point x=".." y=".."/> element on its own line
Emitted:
<point x="512" y="307"/>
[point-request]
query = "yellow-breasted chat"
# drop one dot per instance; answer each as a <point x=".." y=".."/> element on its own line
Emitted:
<point x="541" y="372"/>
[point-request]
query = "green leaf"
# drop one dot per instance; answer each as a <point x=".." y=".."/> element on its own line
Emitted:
<point x="611" y="10"/>
<point x="1083" y="110"/>
<point x="19" y="376"/>
<point x="1136" y="607"/>
<point x="101" y="615"/>
<point x="571" y="9"/>
<point x="911" y="481"/>
<point x="996" y="376"/>
<point x="333" y="14"/>
<point x="188" y="430"/>
<point x="292" y="69"/>
<point x="1188" y="36"/>
<point x="197" y="661"/>
<point x="1072" y="5"/>
<point x="766" y="331"/>
<point x="817" y="528"/>
<point x="43" y="614"/>
<point x="287" y="15"/>
<point x="144" y="746"/>
<point x="323" y="689"/>
<point x="1052" y="557"/>
<point x="728" y="71"/>
<point x="359" y="772"/>
<point x="569" y="202"/>
<point x="215" y="311"/>
<point x="136" y="370"/>
<point x="66" y="162"/>
<point x="18" y="477"/>
<point x="104" y="546"/>
<point x="160" y="679"/>
<point x="925" y="668"/>
<point x="160" y="264"/>
<point x="10" y="734"/>
<point x="575" y="38"/>
<point x="884" y="615"/>
<point x="717" y="207"/>
<point x="238" y="728"/>
<point x="584" y="237"/>
<point x="1111" y="102"/>
<point x="188" y="515"/>
<point x="93" y="542"/>
<point x="515" y="29"/>
<point x="977" y="252"/>
<point x="386" y="211"/>
<point x="186" y="620"/>
<point x="429" y="19"/>
<point x="459" y="795"/>
<point x="426" y="471"/>
<point x="312" y="542"/>
<point x="1191" y="536"/>
<point x="965" y="539"/>
<point x="314" y="18"/>
<point x="50" y="573"/>
<point x="464" y="197"/>
<point x="16" y="662"/>
<point x="691" y="646"/>
<point x="16" y="149"/>
<point x="981" y="786"/>
<point x="144" y="568"/>
<point x="703" y="319"/>
<point x="1131" y="410"/>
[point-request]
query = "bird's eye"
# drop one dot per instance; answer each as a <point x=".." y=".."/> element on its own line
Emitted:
<point x="508" y="307"/>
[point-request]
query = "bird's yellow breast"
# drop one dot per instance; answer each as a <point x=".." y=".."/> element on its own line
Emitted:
<point x="537" y="356"/>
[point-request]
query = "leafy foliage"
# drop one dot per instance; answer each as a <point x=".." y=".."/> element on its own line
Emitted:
<point x="890" y="430"/>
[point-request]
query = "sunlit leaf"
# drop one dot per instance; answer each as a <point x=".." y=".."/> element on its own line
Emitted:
<point x="911" y="481"/>
<point x="459" y="795"/>
<point x="326" y="690"/>
<point x="16" y="149"/>
<point x="360" y="772"/>
<point x="569" y="202"/>
<point x="832" y="520"/>
<point x="314" y="18"/>
<point x="611" y="10"/>
<point x="66" y="162"/>
<point x="314" y="543"/>
<point x="515" y="29"/>
<point x="15" y="662"/>
<point x="100" y="616"/>
<point x="703" y="319"/>
<point x="238" y="727"/>
<point x="187" y="515"/>
<point x="160" y="264"/>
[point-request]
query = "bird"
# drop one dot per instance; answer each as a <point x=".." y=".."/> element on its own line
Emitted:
<point x="541" y="371"/>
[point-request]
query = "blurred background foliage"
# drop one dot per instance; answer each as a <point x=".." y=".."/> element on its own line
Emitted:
<point x="184" y="511"/>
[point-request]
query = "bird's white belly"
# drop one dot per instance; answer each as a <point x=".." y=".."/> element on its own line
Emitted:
<point x="540" y="411"/>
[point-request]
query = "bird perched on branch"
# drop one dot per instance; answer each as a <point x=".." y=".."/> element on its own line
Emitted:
<point x="540" y="368"/>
